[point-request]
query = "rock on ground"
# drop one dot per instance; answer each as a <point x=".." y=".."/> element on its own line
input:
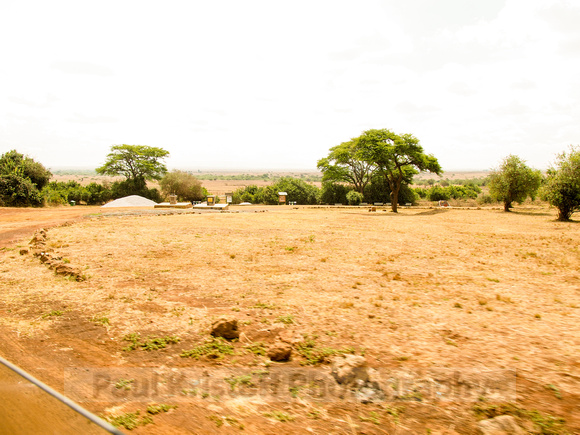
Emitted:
<point x="347" y="369"/>
<point x="224" y="328"/>
<point x="280" y="351"/>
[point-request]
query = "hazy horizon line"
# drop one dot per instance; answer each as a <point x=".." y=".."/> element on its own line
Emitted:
<point x="252" y="170"/>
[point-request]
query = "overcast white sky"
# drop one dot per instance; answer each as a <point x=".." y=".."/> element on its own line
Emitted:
<point x="270" y="84"/>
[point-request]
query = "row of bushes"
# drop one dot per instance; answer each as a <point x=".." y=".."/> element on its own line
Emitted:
<point x="439" y="193"/>
<point x="330" y="193"/>
<point x="477" y="181"/>
<point x="59" y="192"/>
<point x="183" y="184"/>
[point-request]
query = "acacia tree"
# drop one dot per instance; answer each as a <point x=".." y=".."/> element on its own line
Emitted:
<point x="396" y="158"/>
<point x="344" y="165"/>
<point x="562" y="186"/>
<point x="514" y="181"/>
<point x="135" y="162"/>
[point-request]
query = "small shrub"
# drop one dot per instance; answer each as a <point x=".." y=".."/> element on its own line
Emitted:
<point x="53" y="313"/>
<point x="354" y="198"/>
<point x="102" y="320"/>
<point x="129" y="420"/>
<point x="318" y="355"/>
<point x="264" y="306"/>
<point x="150" y="343"/>
<point x="124" y="384"/>
<point x="215" y="348"/>
<point x="256" y="348"/>
<point x="485" y="199"/>
<point x="239" y="380"/>
<point x="216" y="419"/>
<point x="158" y="409"/>
<point x="280" y="416"/>
<point x="287" y="320"/>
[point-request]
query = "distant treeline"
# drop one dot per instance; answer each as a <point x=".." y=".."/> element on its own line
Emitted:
<point x="271" y="176"/>
<point x="476" y="181"/>
<point x="80" y="172"/>
<point x="312" y="178"/>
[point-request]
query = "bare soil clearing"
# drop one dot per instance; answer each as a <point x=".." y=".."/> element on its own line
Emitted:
<point x="472" y="292"/>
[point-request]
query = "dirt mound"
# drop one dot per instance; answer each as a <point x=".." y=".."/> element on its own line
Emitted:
<point x="131" y="201"/>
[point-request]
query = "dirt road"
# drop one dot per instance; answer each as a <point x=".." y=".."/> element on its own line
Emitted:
<point x="16" y="223"/>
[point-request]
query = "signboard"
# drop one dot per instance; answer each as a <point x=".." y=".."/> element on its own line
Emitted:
<point x="229" y="198"/>
<point x="282" y="197"/>
<point x="211" y="200"/>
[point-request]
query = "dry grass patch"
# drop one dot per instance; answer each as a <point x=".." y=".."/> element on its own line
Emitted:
<point x="475" y="289"/>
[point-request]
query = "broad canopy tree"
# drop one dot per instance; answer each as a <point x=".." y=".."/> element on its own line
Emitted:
<point x="396" y="158"/>
<point x="344" y="165"/>
<point x="513" y="182"/>
<point x="136" y="163"/>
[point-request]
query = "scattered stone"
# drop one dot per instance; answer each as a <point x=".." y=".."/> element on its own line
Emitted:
<point x="368" y="392"/>
<point x="38" y="238"/>
<point x="346" y="369"/>
<point x="66" y="270"/>
<point x="352" y="372"/>
<point x="45" y="257"/>
<point x="280" y="351"/>
<point x="227" y="329"/>
<point x="502" y="425"/>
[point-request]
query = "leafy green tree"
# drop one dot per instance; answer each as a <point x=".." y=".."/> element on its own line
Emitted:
<point x="333" y="193"/>
<point x="344" y="164"/>
<point x="18" y="191"/>
<point x="514" y="181"/>
<point x="13" y="161"/>
<point x="98" y="193"/>
<point x="562" y="186"/>
<point x="21" y="180"/>
<point x="396" y="157"/>
<point x="135" y="162"/>
<point x="183" y="184"/>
